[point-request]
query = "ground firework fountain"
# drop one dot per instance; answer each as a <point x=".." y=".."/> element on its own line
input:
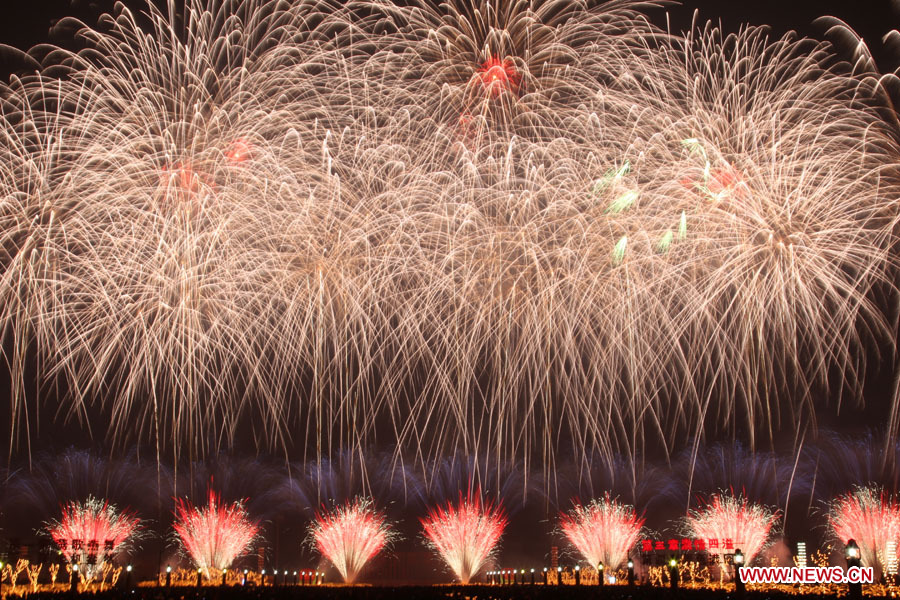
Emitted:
<point x="731" y="522"/>
<point x="214" y="535"/>
<point x="90" y="533"/>
<point x="604" y="531"/>
<point x="350" y="535"/>
<point x="465" y="534"/>
<point x="871" y="517"/>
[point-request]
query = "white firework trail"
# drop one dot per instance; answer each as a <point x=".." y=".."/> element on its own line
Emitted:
<point x="481" y="224"/>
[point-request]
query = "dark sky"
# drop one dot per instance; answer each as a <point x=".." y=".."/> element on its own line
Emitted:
<point x="25" y="23"/>
<point x="871" y="19"/>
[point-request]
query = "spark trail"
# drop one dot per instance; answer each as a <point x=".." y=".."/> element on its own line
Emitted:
<point x="531" y="214"/>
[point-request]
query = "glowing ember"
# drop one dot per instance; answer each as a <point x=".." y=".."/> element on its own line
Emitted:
<point x="733" y="523"/>
<point x="351" y="535"/>
<point x="240" y="151"/>
<point x="215" y="535"/>
<point x="465" y="534"/>
<point x="603" y="531"/>
<point x="498" y="76"/>
<point x="869" y="516"/>
<point x="91" y="533"/>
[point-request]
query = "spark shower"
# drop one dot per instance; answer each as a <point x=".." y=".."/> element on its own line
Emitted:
<point x="472" y="226"/>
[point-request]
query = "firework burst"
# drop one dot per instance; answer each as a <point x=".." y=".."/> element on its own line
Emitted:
<point x="91" y="533"/>
<point x="350" y="535"/>
<point x="466" y="534"/>
<point x="602" y="531"/>
<point x="732" y="521"/>
<point x="215" y="535"/>
<point x="870" y="516"/>
<point x="530" y="213"/>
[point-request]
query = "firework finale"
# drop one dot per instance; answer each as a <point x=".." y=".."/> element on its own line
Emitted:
<point x="350" y="536"/>
<point x="214" y="535"/>
<point x="604" y="532"/>
<point x="465" y="534"/>
<point x="90" y="534"/>
<point x="613" y="281"/>
<point x="729" y="517"/>
<point x="479" y="223"/>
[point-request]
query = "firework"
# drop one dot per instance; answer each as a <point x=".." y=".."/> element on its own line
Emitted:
<point x="764" y="476"/>
<point x="215" y="535"/>
<point x="633" y="481"/>
<point x="549" y="220"/>
<point x="344" y="477"/>
<point x="466" y="534"/>
<point x="510" y="482"/>
<point x="602" y="531"/>
<point x="871" y="517"/>
<point x="91" y="533"/>
<point x="836" y="463"/>
<point x="256" y="482"/>
<point x="350" y="535"/>
<point x="54" y="479"/>
<point x="728" y="522"/>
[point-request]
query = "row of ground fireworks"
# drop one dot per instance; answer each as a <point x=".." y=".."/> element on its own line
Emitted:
<point x="470" y="227"/>
<point x="465" y="534"/>
<point x="464" y="225"/>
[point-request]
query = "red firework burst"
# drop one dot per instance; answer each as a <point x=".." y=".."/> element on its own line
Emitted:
<point x="215" y="535"/>
<point x="726" y="517"/>
<point x="90" y="533"/>
<point x="869" y="516"/>
<point x="498" y="76"/>
<point x="183" y="177"/>
<point x="603" y="531"/>
<point x="350" y="535"/>
<point x="465" y="534"/>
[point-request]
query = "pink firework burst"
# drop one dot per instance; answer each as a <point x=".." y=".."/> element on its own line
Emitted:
<point x="215" y="535"/>
<point x="350" y="535"/>
<point x="871" y="517"/>
<point x="92" y="532"/>
<point x="465" y="534"/>
<point x="603" y="531"/>
<point x="732" y="521"/>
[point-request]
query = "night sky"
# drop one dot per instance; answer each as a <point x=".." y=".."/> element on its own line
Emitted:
<point x="25" y="24"/>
